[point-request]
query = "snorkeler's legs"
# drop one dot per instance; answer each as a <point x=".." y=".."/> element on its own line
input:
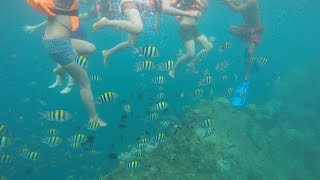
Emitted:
<point x="81" y="77"/>
<point x="69" y="86"/>
<point x="133" y="25"/>
<point x="59" y="76"/>
<point x="82" y="47"/>
<point x="250" y="62"/>
<point x="132" y="39"/>
<point x="190" y="51"/>
<point x="207" y="47"/>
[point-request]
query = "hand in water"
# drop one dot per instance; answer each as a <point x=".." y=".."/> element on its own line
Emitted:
<point x="29" y="29"/>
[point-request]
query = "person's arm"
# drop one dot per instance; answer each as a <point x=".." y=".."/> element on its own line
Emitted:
<point x="237" y="7"/>
<point x="157" y="21"/>
<point x="31" y="29"/>
<point x="166" y="8"/>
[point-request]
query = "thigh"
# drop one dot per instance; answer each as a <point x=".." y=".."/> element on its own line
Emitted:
<point x="239" y="31"/>
<point x="203" y="40"/>
<point x="190" y="47"/>
<point x="83" y="47"/>
<point x="134" y="16"/>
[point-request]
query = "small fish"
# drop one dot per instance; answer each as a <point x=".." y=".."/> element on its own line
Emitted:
<point x="229" y="91"/>
<point x="144" y="66"/>
<point x="208" y="133"/>
<point x="153" y="116"/>
<point x="203" y="55"/>
<point x="93" y="125"/>
<point x="5" y="158"/>
<point x="180" y="53"/>
<point x="5" y="142"/>
<point x="140" y="145"/>
<point x="82" y="61"/>
<point x="3" y="129"/>
<point x="93" y="152"/>
<point x="133" y="165"/>
<point x="138" y="154"/>
<point x="31" y="155"/>
<point x="198" y="93"/>
<point x="43" y="103"/>
<point x="224" y="78"/>
<point x="160" y="106"/>
<point x="95" y="77"/>
<point x="143" y="140"/>
<point x="170" y="156"/>
<point x="262" y="61"/>
<point x="148" y="51"/>
<point x="52" y="141"/>
<point x="75" y="145"/>
<point x="206" y="81"/>
<point x="107" y="97"/>
<point x="159" y="137"/>
<point x="32" y="83"/>
<point x="159" y="80"/>
<point x="164" y="124"/>
<point x="56" y="115"/>
<point x="79" y="138"/>
<point x="126" y="108"/>
<point x="225" y="46"/>
<point x="167" y="65"/>
<point x="161" y="95"/>
<point x="222" y="65"/>
<point x="26" y="100"/>
<point x="52" y="132"/>
<point x="207" y="123"/>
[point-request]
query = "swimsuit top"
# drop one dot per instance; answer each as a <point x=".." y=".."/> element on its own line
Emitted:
<point x="52" y="8"/>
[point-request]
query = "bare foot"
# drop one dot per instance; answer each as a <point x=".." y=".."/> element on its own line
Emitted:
<point x="105" y="54"/>
<point x="59" y="71"/>
<point x="55" y="84"/>
<point x="171" y="73"/>
<point x="66" y="90"/>
<point x="101" y="123"/>
<point x="98" y="25"/>
<point x="191" y="67"/>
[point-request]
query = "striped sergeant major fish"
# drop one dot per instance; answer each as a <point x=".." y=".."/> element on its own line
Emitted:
<point x="160" y="106"/>
<point x="148" y="51"/>
<point x="107" y="97"/>
<point x="56" y="115"/>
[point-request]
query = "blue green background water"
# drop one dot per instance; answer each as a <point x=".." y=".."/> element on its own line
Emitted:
<point x="290" y="41"/>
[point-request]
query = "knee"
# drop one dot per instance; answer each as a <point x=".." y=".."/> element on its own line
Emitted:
<point x="137" y="29"/>
<point x="209" y="47"/>
<point x="91" y="48"/>
<point x="190" y="54"/>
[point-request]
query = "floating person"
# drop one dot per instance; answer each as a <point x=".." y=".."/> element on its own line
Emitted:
<point x="62" y="20"/>
<point x="251" y="32"/>
<point x="101" y="8"/>
<point x="132" y="10"/>
<point x="189" y="33"/>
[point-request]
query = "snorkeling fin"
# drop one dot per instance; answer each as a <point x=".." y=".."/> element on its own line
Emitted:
<point x="240" y="94"/>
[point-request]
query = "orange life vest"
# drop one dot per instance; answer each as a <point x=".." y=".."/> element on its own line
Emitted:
<point x="48" y="8"/>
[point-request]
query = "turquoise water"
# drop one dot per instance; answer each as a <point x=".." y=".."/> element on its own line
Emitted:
<point x="290" y="41"/>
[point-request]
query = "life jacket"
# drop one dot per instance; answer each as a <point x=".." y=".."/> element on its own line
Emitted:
<point x="155" y="5"/>
<point x="196" y="6"/>
<point x="48" y="8"/>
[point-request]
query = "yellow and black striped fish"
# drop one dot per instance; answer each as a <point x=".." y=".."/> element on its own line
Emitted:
<point x="31" y="155"/>
<point x="56" y="115"/>
<point x="95" y="77"/>
<point x="79" y="138"/>
<point x="52" y="132"/>
<point x="133" y="165"/>
<point x="159" y="80"/>
<point x="75" y="145"/>
<point x="138" y="154"/>
<point x="93" y="126"/>
<point x="143" y="140"/>
<point x="224" y="78"/>
<point x="167" y="65"/>
<point x="148" y="51"/>
<point x="206" y="81"/>
<point x="144" y="66"/>
<point x="140" y="145"/>
<point x="82" y="61"/>
<point x="5" y="158"/>
<point x="160" y="106"/>
<point x="262" y="61"/>
<point x="5" y="141"/>
<point x="161" y="95"/>
<point x="225" y="46"/>
<point x="153" y="116"/>
<point x="164" y="124"/>
<point x="3" y="129"/>
<point x="107" y="97"/>
<point x="159" y="137"/>
<point x="198" y="93"/>
<point x="207" y="123"/>
<point x="208" y="133"/>
<point x="229" y="91"/>
<point x="52" y="141"/>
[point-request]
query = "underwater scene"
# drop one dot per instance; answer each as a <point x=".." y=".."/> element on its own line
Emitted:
<point x="160" y="89"/>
